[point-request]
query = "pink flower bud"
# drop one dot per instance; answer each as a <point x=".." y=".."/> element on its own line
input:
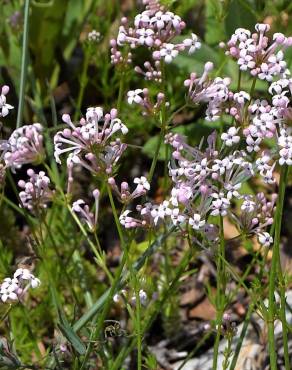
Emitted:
<point x="5" y="90"/>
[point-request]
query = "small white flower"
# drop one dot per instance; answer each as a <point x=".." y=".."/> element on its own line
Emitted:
<point x="177" y="217"/>
<point x="246" y="62"/>
<point x="196" y="222"/>
<point x="161" y="211"/>
<point x="35" y="282"/>
<point x="230" y="138"/>
<point x="143" y="297"/>
<point x="266" y="73"/>
<point x="168" y="52"/>
<point x="248" y="206"/>
<point x="241" y="96"/>
<point x="23" y="274"/>
<point x="193" y="44"/>
<point x="220" y="205"/>
<point x="241" y="34"/>
<point x="117" y="298"/>
<point x="142" y="183"/>
<point x="4" y="107"/>
<point x="134" y="96"/>
<point x="265" y="239"/>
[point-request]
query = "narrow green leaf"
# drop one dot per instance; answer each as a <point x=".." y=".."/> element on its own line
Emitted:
<point x="70" y="334"/>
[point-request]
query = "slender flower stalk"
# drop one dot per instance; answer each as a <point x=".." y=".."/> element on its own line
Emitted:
<point x="138" y="324"/>
<point x="220" y="294"/>
<point x="163" y="123"/>
<point x="24" y="64"/>
<point x="276" y="269"/>
<point x="83" y="81"/>
<point x="101" y="318"/>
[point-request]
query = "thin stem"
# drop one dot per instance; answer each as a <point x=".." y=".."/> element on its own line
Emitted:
<point x="138" y="324"/>
<point x="83" y="82"/>
<point x="253" y="86"/>
<point x="121" y="92"/>
<point x="242" y="336"/>
<point x="155" y="158"/>
<point x="227" y="354"/>
<point x="221" y="283"/>
<point x="163" y="128"/>
<point x="149" y="321"/>
<point x="100" y="261"/>
<point x="176" y="112"/>
<point x="273" y="275"/>
<point x="116" y="218"/>
<point x="24" y="64"/>
<point x="239" y="80"/>
<point x="115" y="283"/>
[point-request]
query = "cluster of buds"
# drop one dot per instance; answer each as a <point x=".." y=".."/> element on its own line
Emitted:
<point x="154" y="29"/>
<point x="124" y="194"/>
<point x="24" y="146"/>
<point x="36" y="192"/>
<point x="4" y="106"/>
<point x="256" y="215"/>
<point x="257" y="53"/>
<point x="94" y="36"/>
<point x="124" y="296"/>
<point x="91" y="142"/>
<point x="205" y="90"/>
<point x="261" y="119"/>
<point x="228" y="327"/>
<point x="151" y="72"/>
<point x="119" y="58"/>
<point x="13" y="289"/>
<point x="83" y="211"/>
<point x="144" y="218"/>
<point x="142" y="98"/>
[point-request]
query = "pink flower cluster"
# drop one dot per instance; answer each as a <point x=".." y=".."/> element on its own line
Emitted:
<point x="206" y="90"/>
<point x="83" y="211"/>
<point x="36" y="192"/>
<point x="154" y="28"/>
<point x="205" y="183"/>
<point x="94" y="142"/>
<point x="125" y="195"/>
<point x="24" y="146"/>
<point x="258" y="54"/>
<point x="142" y="98"/>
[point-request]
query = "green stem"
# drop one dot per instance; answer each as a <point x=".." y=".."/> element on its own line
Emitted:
<point x="155" y="158"/>
<point x="116" y="218"/>
<point x="138" y="325"/>
<point x="99" y="259"/>
<point x="149" y="321"/>
<point x="242" y="336"/>
<point x="115" y="283"/>
<point x="24" y="64"/>
<point x="239" y="80"/>
<point x="273" y="275"/>
<point x="252" y="87"/>
<point x="227" y="354"/>
<point x="221" y="283"/>
<point x="121" y="92"/>
<point x="163" y="128"/>
<point x="83" y="82"/>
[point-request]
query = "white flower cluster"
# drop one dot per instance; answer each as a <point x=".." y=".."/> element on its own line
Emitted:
<point x="12" y="289"/>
